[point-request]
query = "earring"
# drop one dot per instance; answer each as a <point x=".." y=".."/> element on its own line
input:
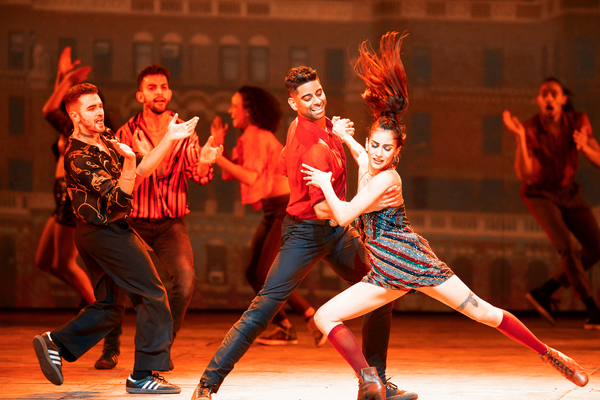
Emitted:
<point x="396" y="159"/>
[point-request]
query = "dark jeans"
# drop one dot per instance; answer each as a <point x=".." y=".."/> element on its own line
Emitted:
<point x="120" y="266"/>
<point x="561" y="213"/>
<point x="170" y="242"/>
<point x="263" y="250"/>
<point x="303" y="245"/>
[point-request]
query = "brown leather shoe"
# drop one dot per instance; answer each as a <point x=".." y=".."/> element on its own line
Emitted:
<point x="108" y="359"/>
<point x="566" y="366"/>
<point x="370" y="386"/>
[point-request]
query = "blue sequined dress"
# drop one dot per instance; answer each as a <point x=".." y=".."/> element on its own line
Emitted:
<point x="399" y="258"/>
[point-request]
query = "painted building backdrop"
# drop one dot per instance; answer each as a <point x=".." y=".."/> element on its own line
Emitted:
<point x="466" y="61"/>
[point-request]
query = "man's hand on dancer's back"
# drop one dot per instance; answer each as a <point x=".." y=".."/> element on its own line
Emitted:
<point x="218" y="131"/>
<point x="391" y="198"/>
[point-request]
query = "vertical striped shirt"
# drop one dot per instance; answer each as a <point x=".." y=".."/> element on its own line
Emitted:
<point x="164" y="194"/>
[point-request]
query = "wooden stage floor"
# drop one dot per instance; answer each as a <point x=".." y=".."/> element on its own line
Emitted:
<point x="439" y="356"/>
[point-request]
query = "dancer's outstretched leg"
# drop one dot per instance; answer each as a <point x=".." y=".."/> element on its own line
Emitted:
<point x="457" y="295"/>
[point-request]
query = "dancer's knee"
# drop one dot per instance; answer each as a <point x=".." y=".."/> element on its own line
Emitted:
<point x="485" y="314"/>
<point x="325" y="320"/>
<point x="185" y="282"/>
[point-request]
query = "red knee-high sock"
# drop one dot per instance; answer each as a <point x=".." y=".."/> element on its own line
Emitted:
<point x="514" y="329"/>
<point x="346" y="344"/>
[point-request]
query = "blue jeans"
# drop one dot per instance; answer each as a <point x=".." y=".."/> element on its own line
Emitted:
<point x="304" y="244"/>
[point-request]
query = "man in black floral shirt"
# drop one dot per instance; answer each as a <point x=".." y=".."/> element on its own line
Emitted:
<point x="100" y="174"/>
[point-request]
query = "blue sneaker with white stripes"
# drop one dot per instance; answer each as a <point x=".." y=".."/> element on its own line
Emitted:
<point x="49" y="357"/>
<point x="152" y="384"/>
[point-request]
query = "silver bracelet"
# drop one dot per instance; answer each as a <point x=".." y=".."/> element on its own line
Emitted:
<point x="129" y="179"/>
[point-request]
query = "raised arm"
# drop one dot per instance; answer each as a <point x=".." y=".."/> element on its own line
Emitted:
<point x="345" y="212"/>
<point x="586" y="143"/>
<point x="344" y="129"/>
<point x="153" y="159"/>
<point x="244" y="175"/>
<point x="209" y="154"/>
<point x="66" y="76"/>
<point x="523" y="161"/>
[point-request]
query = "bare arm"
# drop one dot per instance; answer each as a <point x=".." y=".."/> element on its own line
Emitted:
<point x="240" y="173"/>
<point x="345" y="212"/>
<point x="127" y="179"/>
<point x="344" y="129"/>
<point x="587" y="144"/>
<point x="523" y="161"/>
<point x="244" y="175"/>
<point x="65" y="78"/>
<point x="175" y="132"/>
<point x="208" y="156"/>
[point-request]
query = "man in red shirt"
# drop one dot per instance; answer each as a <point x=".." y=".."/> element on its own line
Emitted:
<point x="308" y="236"/>
<point x="547" y="159"/>
<point x="160" y="195"/>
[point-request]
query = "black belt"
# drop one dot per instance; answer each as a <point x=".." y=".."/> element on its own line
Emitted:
<point x="330" y="222"/>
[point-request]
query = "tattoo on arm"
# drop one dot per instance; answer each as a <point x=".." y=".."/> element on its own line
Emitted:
<point x="469" y="300"/>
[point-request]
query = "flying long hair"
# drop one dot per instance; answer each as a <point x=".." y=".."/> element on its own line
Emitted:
<point x="387" y="87"/>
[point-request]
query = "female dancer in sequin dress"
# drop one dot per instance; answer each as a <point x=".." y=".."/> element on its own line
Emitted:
<point x="400" y="259"/>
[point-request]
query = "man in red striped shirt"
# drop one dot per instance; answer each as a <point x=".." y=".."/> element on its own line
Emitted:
<point x="160" y="195"/>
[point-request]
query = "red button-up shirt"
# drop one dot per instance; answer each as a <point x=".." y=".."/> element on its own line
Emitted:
<point x="164" y="195"/>
<point x="257" y="150"/>
<point x="308" y="144"/>
<point x="555" y="158"/>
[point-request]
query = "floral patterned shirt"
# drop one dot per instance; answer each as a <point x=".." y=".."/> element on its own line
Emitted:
<point x="92" y="183"/>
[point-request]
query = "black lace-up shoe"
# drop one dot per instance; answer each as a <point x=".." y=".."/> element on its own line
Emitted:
<point x="152" y="384"/>
<point x="393" y="393"/>
<point x="49" y="358"/>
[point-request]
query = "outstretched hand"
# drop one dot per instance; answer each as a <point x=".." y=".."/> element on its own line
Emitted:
<point x="342" y="127"/>
<point x="512" y="123"/>
<point x="210" y="154"/>
<point x="140" y="144"/>
<point x="581" y="138"/>
<point x="122" y="148"/>
<point x="78" y="75"/>
<point x="181" y="131"/>
<point x="315" y="177"/>
<point x="65" y="65"/>
<point x="218" y="130"/>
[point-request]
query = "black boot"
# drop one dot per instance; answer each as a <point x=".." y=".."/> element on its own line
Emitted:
<point x="370" y="386"/>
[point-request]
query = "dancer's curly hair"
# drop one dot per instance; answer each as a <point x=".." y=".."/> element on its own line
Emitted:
<point x="263" y="108"/>
<point x="387" y="87"/>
